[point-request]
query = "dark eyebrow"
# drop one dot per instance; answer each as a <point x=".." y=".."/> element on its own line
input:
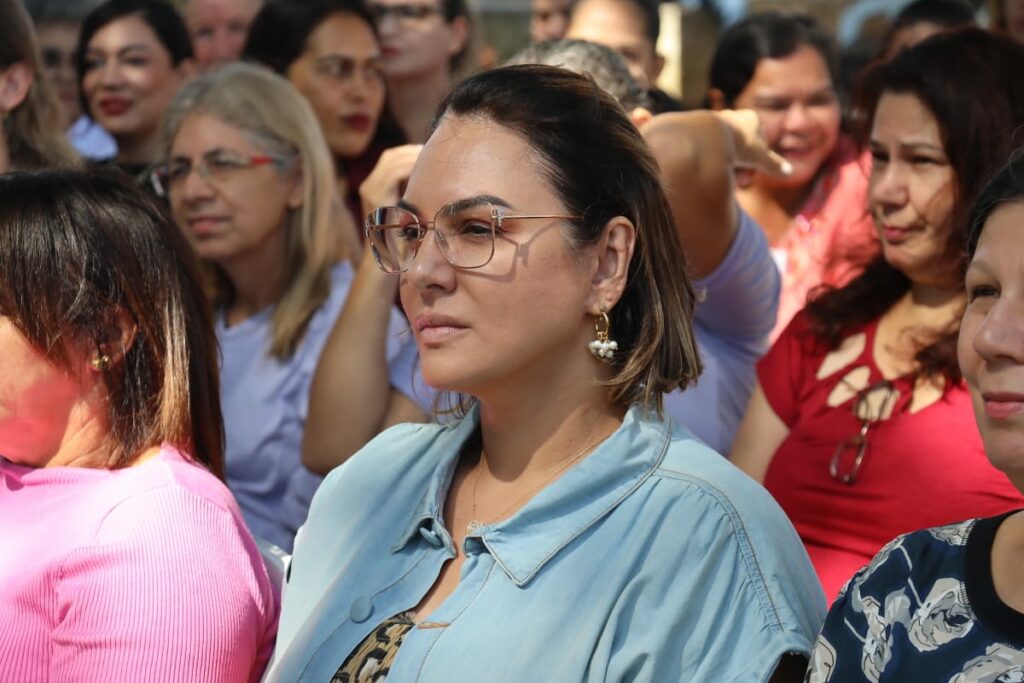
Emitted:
<point x="924" y="146"/>
<point x="121" y="50"/>
<point x="335" y="57"/>
<point x="910" y="145"/>
<point x="461" y="204"/>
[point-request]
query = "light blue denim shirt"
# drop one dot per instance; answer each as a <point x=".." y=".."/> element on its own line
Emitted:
<point x="652" y="559"/>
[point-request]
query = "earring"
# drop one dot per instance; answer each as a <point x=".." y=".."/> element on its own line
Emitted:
<point x="99" y="362"/>
<point x="603" y="348"/>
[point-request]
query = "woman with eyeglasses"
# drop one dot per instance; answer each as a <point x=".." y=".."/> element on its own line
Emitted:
<point x="31" y="136"/>
<point x="861" y="425"/>
<point x="561" y="529"/>
<point x="947" y="603"/>
<point x="132" y="57"/>
<point x="251" y="183"/>
<point x="427" y="46"/>
<point x="329" y="50"/>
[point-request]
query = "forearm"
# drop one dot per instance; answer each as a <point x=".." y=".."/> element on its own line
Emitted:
<point x="696" y="155"/>
<point x="350" y="391"/>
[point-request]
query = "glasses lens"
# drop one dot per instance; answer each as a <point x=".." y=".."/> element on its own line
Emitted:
<point x="394" y="235"/>
<point x="847" y="460"/>
<point x="466" y="234"/>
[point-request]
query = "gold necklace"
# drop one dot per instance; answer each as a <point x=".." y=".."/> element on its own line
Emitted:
<point x="475" y="524"/>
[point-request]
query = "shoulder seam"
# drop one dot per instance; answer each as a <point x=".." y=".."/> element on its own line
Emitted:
<point x="747" y="552"/>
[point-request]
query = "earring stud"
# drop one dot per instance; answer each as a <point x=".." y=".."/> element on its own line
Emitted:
<point x="602" y="347"/>
<point x="99" y="362"/>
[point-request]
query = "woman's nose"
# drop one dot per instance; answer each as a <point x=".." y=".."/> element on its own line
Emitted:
<point x="1000" y="335"/>
<point x="430" y="267"/>
<point x="888" y="186"/>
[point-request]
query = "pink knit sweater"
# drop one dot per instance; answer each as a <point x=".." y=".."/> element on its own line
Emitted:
<point x="141" y="574"/>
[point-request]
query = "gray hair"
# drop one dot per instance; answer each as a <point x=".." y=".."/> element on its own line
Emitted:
<point x="274" y="116"/>
<point x="604" y="65"/>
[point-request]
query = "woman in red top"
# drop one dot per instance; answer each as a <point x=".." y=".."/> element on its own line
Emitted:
<point x="860" y="425"/>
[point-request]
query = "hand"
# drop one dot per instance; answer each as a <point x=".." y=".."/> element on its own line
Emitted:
<point x="386" y="182"/>
<point x="753" y="155"/>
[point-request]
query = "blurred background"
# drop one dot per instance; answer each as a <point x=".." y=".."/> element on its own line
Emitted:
<point x="689" y="30"/>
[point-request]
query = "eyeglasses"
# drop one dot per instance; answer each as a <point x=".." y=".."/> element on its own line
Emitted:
<point x="464" y="231"/>
<point x="870" y="410"/>
<point x="404" y="13"/>
<point x="215" y="166"/>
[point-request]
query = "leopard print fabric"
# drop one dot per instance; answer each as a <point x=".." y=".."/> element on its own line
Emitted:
<point x="371" y="661"/>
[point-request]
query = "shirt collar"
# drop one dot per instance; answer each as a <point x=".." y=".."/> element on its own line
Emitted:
<point x="522" y="544"/>
<point x="445" y="449"/>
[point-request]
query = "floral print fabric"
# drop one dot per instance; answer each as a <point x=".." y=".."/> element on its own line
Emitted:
<point x="924" y="609"/>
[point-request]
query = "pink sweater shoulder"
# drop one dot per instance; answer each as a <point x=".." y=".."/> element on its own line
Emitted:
<point x="146" y="573"/>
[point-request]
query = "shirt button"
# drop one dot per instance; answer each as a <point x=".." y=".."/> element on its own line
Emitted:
<point x="430" y="536"/>
<point x="361" y="610"/>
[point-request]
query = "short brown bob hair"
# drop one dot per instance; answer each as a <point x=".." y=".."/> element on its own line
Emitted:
<point x="78" y="251"/>
<point x="600" y="168"/>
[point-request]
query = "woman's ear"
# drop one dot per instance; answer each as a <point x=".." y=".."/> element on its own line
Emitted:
<point x="111" y="351"/>
<point x="458" y="32"/>
<point x="614" y="253"/>
<point x="297" y="193"/>
<point x="640" y="116"/>
<point x="186" y="70"/>
<point x="15" y="82"/>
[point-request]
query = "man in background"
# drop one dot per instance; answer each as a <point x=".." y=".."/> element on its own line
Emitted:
<point x="218" y="28"/>
<point x="630" y="27"/>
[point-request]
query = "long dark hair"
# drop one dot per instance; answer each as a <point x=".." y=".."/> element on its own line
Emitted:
<point x="1005" y="186"/>
<point x="970" y="82"/>
<point x="160" y="16"/>
<point x="278" y="37"/>
<point x="766" y="35"/>
<point x="561" y="114"/>
<point x="77" y="250"/>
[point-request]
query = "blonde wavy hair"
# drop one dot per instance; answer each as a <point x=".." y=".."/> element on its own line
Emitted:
<point x="266" y="108"/>
<point x="31" y="130"/>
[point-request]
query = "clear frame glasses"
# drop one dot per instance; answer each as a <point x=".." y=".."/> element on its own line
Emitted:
<point x="215" y="166"/>
<point x="405" y="13"/>
<point x="849" y="455"/>
<point x="464" y="232"/>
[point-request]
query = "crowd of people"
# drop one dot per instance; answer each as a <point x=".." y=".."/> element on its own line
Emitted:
<point x="332" y="352"/>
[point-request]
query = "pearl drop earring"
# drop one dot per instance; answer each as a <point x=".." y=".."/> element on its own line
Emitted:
<point x="603" y="348"/>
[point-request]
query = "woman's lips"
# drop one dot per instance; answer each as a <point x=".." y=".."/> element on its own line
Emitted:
<point x="114" y="106"/>
<point x="894" y="235"/>
<point x="1003" y="406"/>
<point x="434" y="335"/>
<point x="358" y="122"/>
<point x="203" y="225"/>
<point x="799" y="154"/>
<point x="432" y="329"/>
